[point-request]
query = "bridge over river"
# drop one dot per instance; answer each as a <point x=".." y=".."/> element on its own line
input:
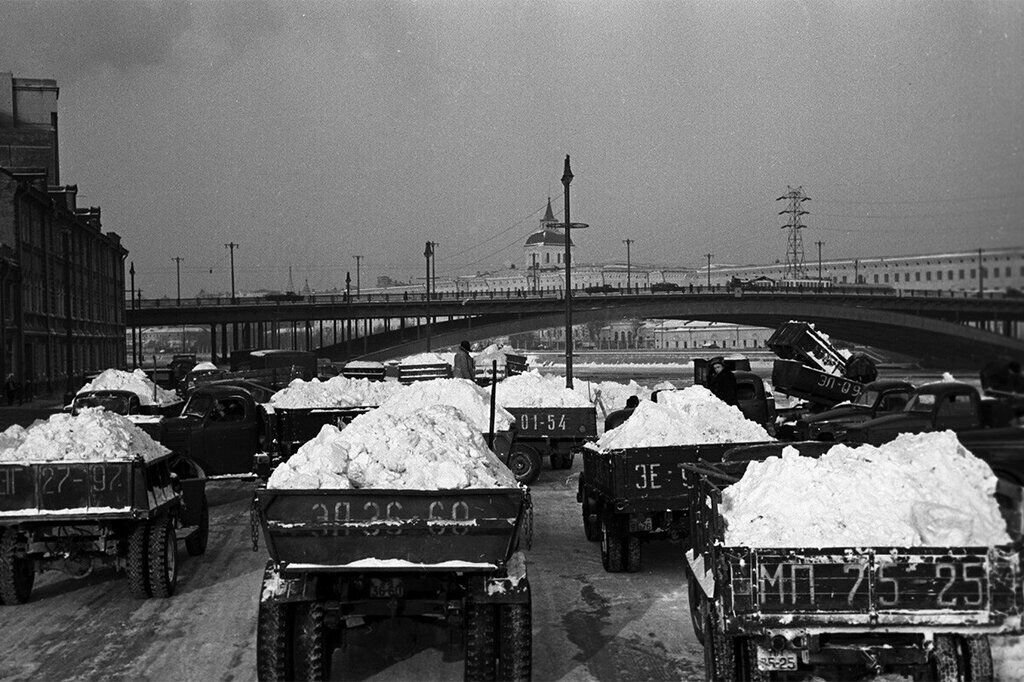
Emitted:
<point x="937" y="326"/>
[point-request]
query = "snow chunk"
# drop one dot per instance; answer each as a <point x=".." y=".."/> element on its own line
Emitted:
<point x="426" y="359"/>
<point x="136" y="381"/>
<point x="91" y="436"/>
<point x="534" y="390"/>
<point x="434" y="447"/>
<point x="688" y="417"/>
<point x="917" y="490"/>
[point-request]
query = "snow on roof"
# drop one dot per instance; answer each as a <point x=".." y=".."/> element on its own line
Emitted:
<point x="136" y="381"/>
<point x="92" y="435"/>
<point x="687" y="417"/>
<point x="917" y="490"/>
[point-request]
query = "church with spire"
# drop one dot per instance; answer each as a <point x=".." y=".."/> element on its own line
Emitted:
<point x="545" y="248"/>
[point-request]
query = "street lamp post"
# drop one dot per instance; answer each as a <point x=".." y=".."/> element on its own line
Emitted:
<point x="566" y="181"/>
<point x="231" y="246"/>
<point x="348" y="315"/>
<point x="819" y="243"/>
<point x="358" y="259"/>
<point x="629" y="278"/>
<point x="709" y="255"/>
<point x="135" y="352"/>
<point x="981" y="277"/>
<point x="428" y="251"/>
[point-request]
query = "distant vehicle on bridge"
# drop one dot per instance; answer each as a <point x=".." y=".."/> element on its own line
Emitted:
<point x="285" y="297"/>
<point x="665" y="286"/>
<point x="600" y="289"/>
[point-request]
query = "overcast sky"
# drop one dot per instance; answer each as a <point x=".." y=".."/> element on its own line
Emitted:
<point x="311" y="132"/>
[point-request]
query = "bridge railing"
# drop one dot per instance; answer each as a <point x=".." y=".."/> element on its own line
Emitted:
<point x="508" y="294"/>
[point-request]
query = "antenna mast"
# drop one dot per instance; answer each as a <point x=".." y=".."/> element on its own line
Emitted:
<point x="795" y="242"/>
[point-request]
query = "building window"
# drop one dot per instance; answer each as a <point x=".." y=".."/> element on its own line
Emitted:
<point x="938" y="275"/>
<point x="950" y="274"/>
<point x="961" y="274"/>
<point x="928" y="276"/>
<point x="876" y="279"/>
<point x="917" y="276"/>
<point x="974" y="273"/>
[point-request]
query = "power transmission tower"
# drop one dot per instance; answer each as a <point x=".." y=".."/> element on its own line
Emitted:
<point x="795" y="242"/>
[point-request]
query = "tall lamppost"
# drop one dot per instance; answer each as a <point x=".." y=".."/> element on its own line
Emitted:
<point x="177" y="263"/>
<point x="629" y="279"/>
<point x="358" y="259"/>
<point x="568" y="225"/>
<point x="348" y="315"/>
<point x="981" y="277"/>
<point x="819" y="243"/>
<point x="231" y="246"/>
<point x="709" y="255"/>
<point x="428" y="251"/>
<point x="135" y="351"/>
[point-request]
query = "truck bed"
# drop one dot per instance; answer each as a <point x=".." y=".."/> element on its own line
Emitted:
<point x="63" y="490"/>
<point x="556" y="422"/>
<point x="296" y="425"/>
<point x="819" y="589"/>
<point x="800" y="381"/>
<point x="477" y="529"/>
<point x="639" y="479"/>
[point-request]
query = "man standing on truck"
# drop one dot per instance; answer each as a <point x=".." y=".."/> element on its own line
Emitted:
<point x="721" y="381"/>
<point x="465" y="367"/>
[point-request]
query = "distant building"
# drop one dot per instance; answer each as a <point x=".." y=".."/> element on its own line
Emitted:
<point x="62" y="288"/>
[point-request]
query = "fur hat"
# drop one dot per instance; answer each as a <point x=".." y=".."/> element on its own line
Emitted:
<point x="465" y="346"/>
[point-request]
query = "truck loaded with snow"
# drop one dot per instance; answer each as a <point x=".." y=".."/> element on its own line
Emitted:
<point x="895" y="560"/>
<point x="633" y="487"/>
<point x="876" y="399"/>
<point x="988" y="427"/>
<point x="404" y="512"/>
<point x="79" y="491"/>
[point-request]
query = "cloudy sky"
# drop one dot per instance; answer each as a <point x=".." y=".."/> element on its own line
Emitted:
<point x="308" y="133"/>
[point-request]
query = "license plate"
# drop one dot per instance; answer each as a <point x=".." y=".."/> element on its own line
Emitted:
<point x="385" y="589"/>
<point x="775" y="660"/>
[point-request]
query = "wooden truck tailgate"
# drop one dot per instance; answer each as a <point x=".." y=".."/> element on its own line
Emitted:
<point x="556" y="422"/>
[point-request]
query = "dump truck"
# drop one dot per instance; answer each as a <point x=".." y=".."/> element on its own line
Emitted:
<point x="352" y="558"/>
<point x="129" y="512"/>
<point x="845" y="612"/>
<point x="632" y="495"/>
<point x="556" y="432"/>
<point x="876" y="399"/>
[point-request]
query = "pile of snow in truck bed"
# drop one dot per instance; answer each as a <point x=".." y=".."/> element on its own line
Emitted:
<point x="136" y="381"/>
<point x="433" y="447"/>
<point x="337" y="391"/>
<point x="534" y="390"/>
<point x="917" y="490"/>
<point x="687" y="417"/>
<point x="92" y="435"/>
<point x="472" y="400"/>
<point x="426" y="359"/>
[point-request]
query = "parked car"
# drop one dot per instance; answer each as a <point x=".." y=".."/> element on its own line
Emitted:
<point x="600" y="289"/>
<point x="665" y="286"/>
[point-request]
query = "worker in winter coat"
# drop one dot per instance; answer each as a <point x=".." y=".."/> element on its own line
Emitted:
<point x="465" y="367"/>
<point x="722" y="382"/>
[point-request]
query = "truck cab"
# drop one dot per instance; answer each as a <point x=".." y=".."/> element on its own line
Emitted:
<point x="221" y="428"/>
<point x="877" y="399"/>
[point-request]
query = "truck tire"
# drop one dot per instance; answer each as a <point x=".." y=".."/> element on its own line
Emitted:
<point x="273" y="636"/>
<point x="977" y="654"/>
<point x="591" y="521"/>
<point x="612" y="546"/>
<point x="946" y="659"/>
<point x="525" y="463"/>
<point x="746" y="662"/>
<point x="162" y="557"/>
<point x="195" y="543"/>
<point x="137" y="564"/>
<point x="17" y="574"/>
<point x="719" y="652"/>
<point x="480" y="643"/>
<point x="698" y="606"/>
<point x="312" y="657"/>
<point x="515" y="659"/>
<point x="633" y="553"/>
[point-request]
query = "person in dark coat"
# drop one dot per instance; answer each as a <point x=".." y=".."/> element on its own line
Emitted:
<point x="616" y="418"/>
<point x="721" y="381"/>
<point x="465" y="367"/>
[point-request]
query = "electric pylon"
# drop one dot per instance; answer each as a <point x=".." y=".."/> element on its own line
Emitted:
<point x="795" y="242"/>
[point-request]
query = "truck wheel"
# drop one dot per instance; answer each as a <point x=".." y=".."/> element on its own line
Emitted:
<point x="612" y="555"/>
<point x="515" y="660"/>
<point x="480" y="643"/>
<point x="632" y="544"/>
<point x="977" y="659"/>
<point x="746" y="663"/>
<point x="163" y="558"/>
<point x="719" y="652"/>
<point x="137" y="566"/>
<point x="698" y="606"/>
<point x="195" y="543"/>
<point x="525" y="462"/>
<point x="273" y="638"/>
<point x="946" y="659"/>
<point x="312" y="657"/>
<point x="591" y="522"/>
<point x="17" y="574"/>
